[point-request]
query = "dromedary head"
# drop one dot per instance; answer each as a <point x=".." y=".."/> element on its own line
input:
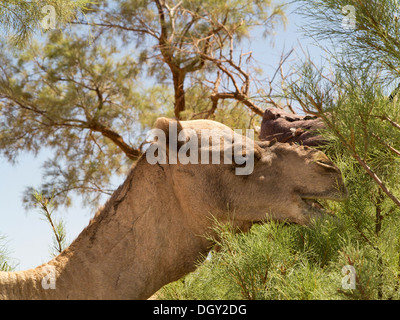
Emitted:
<point x="280" y="183"/>
<point x="153" y="229"/>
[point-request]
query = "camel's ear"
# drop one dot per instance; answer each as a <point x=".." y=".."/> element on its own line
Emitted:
<point x="162" y="123"/>
<point x="257" y="151"/>
<point x="169" y="126"/>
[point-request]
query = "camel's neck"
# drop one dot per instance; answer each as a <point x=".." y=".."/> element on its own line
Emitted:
<point x="139" y="242"/>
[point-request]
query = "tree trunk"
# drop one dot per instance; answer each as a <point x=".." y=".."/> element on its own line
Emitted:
<point x="179" y="104"/>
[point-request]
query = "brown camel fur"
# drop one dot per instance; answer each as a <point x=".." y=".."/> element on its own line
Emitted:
<point x="152" y="230"/>
<point x="288" y="127"/>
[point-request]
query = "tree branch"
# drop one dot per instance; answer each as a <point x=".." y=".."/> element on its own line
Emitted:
<point x="110" y="25"/>
<point x="351" y="148"/>
<point x="241" y="92"/>
<point x="130" y="152"/>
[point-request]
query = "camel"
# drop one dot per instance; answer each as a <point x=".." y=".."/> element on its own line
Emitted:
<point x="291" y="128"/>
<point x="152" y="230"/>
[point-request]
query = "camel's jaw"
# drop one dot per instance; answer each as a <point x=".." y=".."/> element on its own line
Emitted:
<point x="338" y="194"/>
<point x="312" y="207"/>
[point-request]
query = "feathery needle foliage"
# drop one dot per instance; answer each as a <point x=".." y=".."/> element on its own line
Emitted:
<point x="46" y="209"/>
<point x="5" y="260"/>
<point x="19" y="19"/>
<point x="351" y="95"/>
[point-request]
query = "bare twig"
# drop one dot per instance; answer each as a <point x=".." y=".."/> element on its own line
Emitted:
<point x="45" y="205"/>
<point x="395" y="151"/>
<point x="386" y="118"/>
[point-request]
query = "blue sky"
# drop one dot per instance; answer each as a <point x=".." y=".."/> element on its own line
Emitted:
<point x="29" y="237"/>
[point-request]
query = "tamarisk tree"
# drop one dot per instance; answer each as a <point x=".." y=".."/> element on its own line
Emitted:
<point x="185" y="38"/>
<point x="19" y="19"/>
<point x="364" y="70"/>
<point x="88" y="93"/>
<point x="357" y="99"/>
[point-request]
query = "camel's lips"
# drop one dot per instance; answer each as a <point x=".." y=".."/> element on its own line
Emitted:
<point x="340" y="194"/>
<point x="316" y="208"/>
<point x="314" y="205"/>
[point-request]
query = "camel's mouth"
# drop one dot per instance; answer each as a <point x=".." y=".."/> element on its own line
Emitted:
<point x="313" y="206"/>
<point x="317" y="207"/>
<point x="338" y="194"/>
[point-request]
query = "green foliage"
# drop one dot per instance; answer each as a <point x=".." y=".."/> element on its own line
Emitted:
<point x="358" y="115"/>
<point x="46" y="209"/>
<point x="90" y="94"/>
<point x="6" y="263"/>
<point x="183" y="23"/>
<point x="186" y="40"/>
<point x="81" y="100"/>
<point x="280" y="261"/>
<point x="19" y="18"/>
<point x="272" y="261"/>
<point x="374" y="38"/>
<point x="352" y="98"/>
<point x="284" y="261"/>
